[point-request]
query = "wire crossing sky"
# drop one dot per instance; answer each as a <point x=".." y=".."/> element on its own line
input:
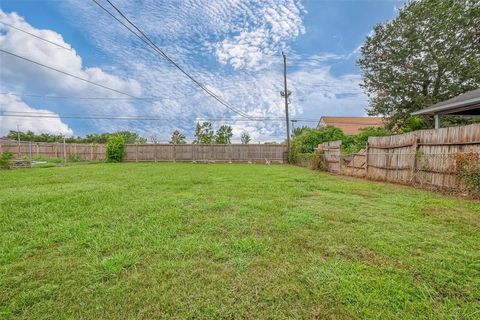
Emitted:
<point x="180" y="62"/>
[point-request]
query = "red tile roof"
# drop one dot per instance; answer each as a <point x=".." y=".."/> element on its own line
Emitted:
<point x="352" y="125"/>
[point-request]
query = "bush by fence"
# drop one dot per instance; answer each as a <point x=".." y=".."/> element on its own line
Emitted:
<point x="115" y="148"/>
<point x="5" y="158"/>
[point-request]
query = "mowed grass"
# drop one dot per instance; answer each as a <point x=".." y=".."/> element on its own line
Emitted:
<point x="216" y="241"/>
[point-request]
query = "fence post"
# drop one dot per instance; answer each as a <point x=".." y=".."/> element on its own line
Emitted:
<point x="91" y="152"/>
<point x="396" y="166"/>
<point x="64" y="151"/>
<point x="38" y="150"/>
<point x="155" y="147"/>
<point x="414" y="159"/>
<point x="30" y="152"/>
<point x="339" y="150"/>
<point x="136" y="152"/>
<point x="366" y="159"/>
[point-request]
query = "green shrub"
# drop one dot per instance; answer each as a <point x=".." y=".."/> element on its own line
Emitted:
<point x="353" y="144"/>
<point x="5" y="158"/>
<point x="115" y="148"/>
<point x="304" y="159"/>
<point x="413" y="123"/>
<point x="471" y="176"/>
<point x="468" y="168"/>
<point x="309" y="139"/>
<point x="318" y="161"/>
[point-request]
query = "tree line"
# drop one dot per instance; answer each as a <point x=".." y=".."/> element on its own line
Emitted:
<point x="100" y="138"/>
<point x="204" y="134"/>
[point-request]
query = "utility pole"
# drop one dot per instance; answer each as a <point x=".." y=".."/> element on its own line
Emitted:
<point x="286" y="94"/>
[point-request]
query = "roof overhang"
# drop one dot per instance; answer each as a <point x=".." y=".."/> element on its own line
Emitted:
<point x="458" y="106"/>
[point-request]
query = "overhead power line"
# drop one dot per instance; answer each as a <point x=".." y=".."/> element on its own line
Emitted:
<point x="81" y="117"/>
<point x="148" y="99"/>
<point x="66" y="73"/>
<point x="144" y="38"/>
<point x="34" y="35"/>
<point x="116" y="99"/>
<point x="49" y="113"/>
<point x="38" y="114"/>
<point x="78" y="98"/>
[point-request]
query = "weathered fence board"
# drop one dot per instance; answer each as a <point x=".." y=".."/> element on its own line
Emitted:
<point x="48" y="150"/>
<point x="332" y="154"/>
<point x="255" y="153"/>
<point x="425" y="158"/>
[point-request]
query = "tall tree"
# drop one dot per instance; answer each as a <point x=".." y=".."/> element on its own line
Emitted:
<point x="203" y="133"/>
<point x="245" y="137"/>
<point x="224" y="135"/>
<point x="177" y="138"/>
<point x="154" y="138"/>
<point x="130" y="137"/>
<point x="430" y="52"/>
<point x="298" y="131"/>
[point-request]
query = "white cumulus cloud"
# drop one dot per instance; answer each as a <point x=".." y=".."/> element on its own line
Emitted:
<point x="24" y="75"/>
<point x="48" y="123"/>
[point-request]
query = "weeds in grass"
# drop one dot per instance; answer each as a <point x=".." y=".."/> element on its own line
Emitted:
<point x="231" y="241"/>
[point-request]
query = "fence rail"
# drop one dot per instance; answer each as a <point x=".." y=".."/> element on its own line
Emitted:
<point x="255" y="153"/>
<point x="425" y="158"/>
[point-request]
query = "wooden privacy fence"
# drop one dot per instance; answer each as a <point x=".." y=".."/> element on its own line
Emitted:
<point x="255" y="153"/>
<point x="48" y="150"/>
<point x="332" y="155"/>
<point x="425" y="158"/>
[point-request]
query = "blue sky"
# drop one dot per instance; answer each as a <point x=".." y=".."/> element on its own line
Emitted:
<point x="232" y="46"/>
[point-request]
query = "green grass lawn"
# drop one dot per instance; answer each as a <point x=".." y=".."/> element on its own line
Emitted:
<point x="149" y="241"/>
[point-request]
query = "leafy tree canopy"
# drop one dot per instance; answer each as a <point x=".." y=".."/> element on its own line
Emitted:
<point x="203" y="133"/>
<point x="224" y="135"/>
<point x="429" y="53"/>
<point x="245" y="138"/>
<point x="298" y="130"/>
<point x="128" y="136"/>
<point x="177" y="138"/>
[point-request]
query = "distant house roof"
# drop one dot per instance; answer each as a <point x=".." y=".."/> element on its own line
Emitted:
<point x="351" y="125"/>
<point x="467" y="104"/>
